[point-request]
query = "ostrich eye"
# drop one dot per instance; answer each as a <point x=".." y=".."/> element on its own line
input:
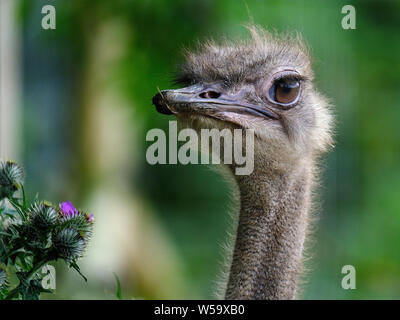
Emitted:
<point x="284" y="91"/>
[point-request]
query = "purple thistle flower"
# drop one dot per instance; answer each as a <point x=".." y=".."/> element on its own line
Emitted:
<point x="90" y="217"/>
<point x="68" y="208"/>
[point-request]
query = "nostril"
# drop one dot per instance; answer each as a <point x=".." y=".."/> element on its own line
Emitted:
<point x="210" y="95"/>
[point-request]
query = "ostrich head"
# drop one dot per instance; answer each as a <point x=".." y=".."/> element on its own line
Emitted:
<point x="264" y="84"/>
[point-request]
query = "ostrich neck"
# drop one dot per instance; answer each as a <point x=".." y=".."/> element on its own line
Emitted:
<point x="267" y="256"/>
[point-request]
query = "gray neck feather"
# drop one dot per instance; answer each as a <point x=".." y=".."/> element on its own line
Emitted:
<point x="267" y="256"/>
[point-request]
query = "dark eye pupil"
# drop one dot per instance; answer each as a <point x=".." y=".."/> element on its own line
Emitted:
<point x="285" y="87"/>
<point x="285" y="91"/>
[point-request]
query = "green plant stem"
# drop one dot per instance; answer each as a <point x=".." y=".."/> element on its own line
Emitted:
<point x="18" y="208"/>
<point x="23" y="198"/>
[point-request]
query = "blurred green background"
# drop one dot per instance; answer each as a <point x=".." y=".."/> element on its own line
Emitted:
<point x="83" y="94"/>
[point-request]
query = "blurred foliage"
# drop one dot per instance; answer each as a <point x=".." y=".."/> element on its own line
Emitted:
<point x="359" y="220"/>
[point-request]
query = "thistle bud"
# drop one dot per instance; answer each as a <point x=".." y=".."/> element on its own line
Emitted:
<point x="68" y="244"/>
<point x="11" y="178"/>
<point x="43" y="216"/>
<point x="77" y="220"/>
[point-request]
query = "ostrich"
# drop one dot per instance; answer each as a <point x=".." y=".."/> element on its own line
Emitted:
<point x="264" y="84"/>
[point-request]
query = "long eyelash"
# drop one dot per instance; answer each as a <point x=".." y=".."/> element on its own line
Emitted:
<point x="291" y="77"/>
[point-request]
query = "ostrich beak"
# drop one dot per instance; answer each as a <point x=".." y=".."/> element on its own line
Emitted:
<point x="208" y="101"/>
